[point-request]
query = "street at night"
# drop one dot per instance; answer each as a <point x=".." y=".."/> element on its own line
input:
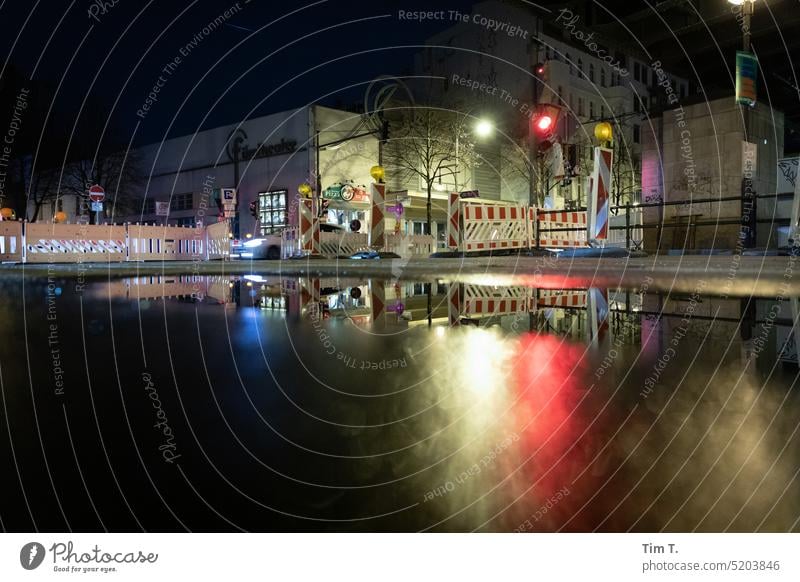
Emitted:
<point x="366" y="280"/>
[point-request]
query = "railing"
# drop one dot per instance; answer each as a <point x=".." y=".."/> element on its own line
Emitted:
<point x="410" y="245"/>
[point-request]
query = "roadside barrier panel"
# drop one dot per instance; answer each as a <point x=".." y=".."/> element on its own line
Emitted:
<point x="550" y="223"/>
<point x="453" y="221"/>
<point x="486" y="300"/>
<point x="74" y="243"/>
<point x="165" y="243"/>
<point x="410" y="245"/>
<point x="561" y="298"/>
<point x="334" y="244"/>
<point x="290" y="242"/>
<point x="309" y="226"/>
<point x="11" y="242"/>
<point x="377" y="223"/>
<point x="218" y="241"/>
<point x="492" y="226"/>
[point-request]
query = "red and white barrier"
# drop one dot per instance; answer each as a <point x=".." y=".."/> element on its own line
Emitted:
<point x="492" y="226"/>
<point x="377" y="225"/>
<point x="454" y="305"/>
<point x="599" y="199"/>
<point x="453" y="220"/>
<point x="309" y="226"/>
<point x="483" y="300"/>
<point x="549" y="222"/>
<point x="562" y="299"/>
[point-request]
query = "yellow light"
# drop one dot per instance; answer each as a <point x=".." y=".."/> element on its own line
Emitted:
<point x="603" y="131"/>
<point x="60" y="216"/>
<point x="305" y="189"/>
<point x="7" y="212"/>
<point x="484" y="128"/>
<point x="248" y="235"/>
<point x="377" y="173"/>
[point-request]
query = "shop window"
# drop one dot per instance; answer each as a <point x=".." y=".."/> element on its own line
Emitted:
<point x="419" y="227"/>
<point x="272" y="211"/>
<point x="181" y="202"/>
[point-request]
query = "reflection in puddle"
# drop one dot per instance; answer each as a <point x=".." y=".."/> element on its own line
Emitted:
<point x="385" y="405"/>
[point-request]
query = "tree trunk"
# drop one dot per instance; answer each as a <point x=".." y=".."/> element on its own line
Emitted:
<point x="428" y="209"/>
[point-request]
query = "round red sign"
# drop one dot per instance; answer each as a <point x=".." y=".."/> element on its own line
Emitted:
<point x="97" y="193"/>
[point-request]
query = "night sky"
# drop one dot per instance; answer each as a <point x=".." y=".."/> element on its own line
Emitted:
<point x="113" y="59"/>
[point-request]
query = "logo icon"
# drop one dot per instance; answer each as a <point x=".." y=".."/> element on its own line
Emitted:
<point x="31" y="555"/>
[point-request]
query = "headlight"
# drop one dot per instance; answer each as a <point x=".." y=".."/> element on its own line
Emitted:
<point x="254" y="243"/>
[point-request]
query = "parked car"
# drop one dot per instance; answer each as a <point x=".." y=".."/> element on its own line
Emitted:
<point x="266" y="247"/>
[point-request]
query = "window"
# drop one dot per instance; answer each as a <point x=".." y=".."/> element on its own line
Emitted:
<point x="637" y="134"/>
<point x="569" y="61"/>
<point x="580" y="65"/>
<point x="591" y="72"/>
<point x="637" y="74"/>
<point x="602" y="111"/>
<point x="181" y="202"/>
<point x="602" y="77"/>
<point x="272" y="211"/>
<point x="419" y="227"/>
<point x="591" y="109"/>
<point x="149" y="206"/>
<point x="560" y="93"/>
<point x="580" y="106"/>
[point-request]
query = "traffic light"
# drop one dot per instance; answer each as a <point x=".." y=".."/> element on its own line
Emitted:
<point x="539" y="70"/>
<point x="545" y="119"/>
<point x="254" y="209"/>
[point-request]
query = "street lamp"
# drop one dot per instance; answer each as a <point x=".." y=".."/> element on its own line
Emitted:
<point x="747" y="9"/>
<point x="483" y="128"/>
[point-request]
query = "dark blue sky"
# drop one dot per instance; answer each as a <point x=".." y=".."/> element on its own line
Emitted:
<point x="120" y="53"/>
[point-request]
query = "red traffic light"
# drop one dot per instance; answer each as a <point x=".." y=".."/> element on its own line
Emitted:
<point x="545" y="119"/>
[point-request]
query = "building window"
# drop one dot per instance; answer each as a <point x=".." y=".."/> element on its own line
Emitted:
<point x="602" y="77"/>
<point x="580" y="106"/>
<point x="560" y="94"/>
<point x="637" y="74"/>
<point x="591" y="72"/>
<point x="569" y="61"/>
<point x="637" y="134"/>
<point x="591" y="109"/>
<point x="272" y="211"/>
<point x="181" y="202"/>
<point x="602" y="111"/>
<point x="149" y="206"/>
<point x="419" y="227"/>
<point x="580" y="65"/>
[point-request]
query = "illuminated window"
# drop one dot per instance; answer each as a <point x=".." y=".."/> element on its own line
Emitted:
<point x="272" y="211"/>
<point x="181" y="202"/>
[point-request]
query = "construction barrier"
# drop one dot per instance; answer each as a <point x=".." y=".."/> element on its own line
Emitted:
<point x="218" y="241"/>
<point x="334" y="244"/>
<point x="165" y="243"/>
<point x="483" y="300"/>
<point x="290" y="242"/>
<point x="599" y="202"/>
<point x="454" y="221"/>
<point x="377" y="224"/>
<point x="410" y="245"/>
<point x="12" y="244"/>
<point x="561" y="299"/>
<point x="548" y="226"/>
<point x="492" y="226"/>
<point x="74" y="243"/>
<point x="309" y="226"/>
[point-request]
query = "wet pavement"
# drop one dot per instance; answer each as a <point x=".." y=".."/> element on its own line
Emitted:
<point x="472" y="401"/>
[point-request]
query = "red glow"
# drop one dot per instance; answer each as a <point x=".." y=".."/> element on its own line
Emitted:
<point x="544" y="123"/>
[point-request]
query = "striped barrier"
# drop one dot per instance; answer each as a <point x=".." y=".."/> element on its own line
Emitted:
<point x="549" y="222"/>
<point x="483" y="300"/>
<point x="599" y="199"/>
<point x="333" y="244"/>
<point x="454" y="304"/>
<point x="453" y="220"/>
<point x="491" y="226"/>
<point x="309" y="226"/>
<point x="165" y="243"/>
<point x="218" y="241"/>
<point x="12" y="244"/>
<point x="74" y="243"/>
<point x="377" y="225"/>
<point x="560" y="298"/>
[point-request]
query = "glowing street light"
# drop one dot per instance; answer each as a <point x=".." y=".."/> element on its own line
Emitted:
<point x="484" y="128"/>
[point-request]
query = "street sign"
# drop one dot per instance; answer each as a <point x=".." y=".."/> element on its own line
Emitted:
<point x="97" y="206"/>
<point x="97" y="193"/>
<point x="471" y="194"/>
<point x="162" y="208"/>
<point x="746" y="75"/>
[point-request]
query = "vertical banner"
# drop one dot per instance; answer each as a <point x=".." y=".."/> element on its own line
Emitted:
<point x="746" y="77"/>
<point x="377" y="223"/>
<point x="453" y="221"/>
<point x="599" y="197"/>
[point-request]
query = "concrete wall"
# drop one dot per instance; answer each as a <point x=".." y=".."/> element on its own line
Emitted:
<point x="696" y="152"/>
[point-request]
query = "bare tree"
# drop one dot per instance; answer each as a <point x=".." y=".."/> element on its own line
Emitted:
<point x="427" y="143"/>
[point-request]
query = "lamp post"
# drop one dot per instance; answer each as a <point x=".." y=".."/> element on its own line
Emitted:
<point x="748" y="7"/>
